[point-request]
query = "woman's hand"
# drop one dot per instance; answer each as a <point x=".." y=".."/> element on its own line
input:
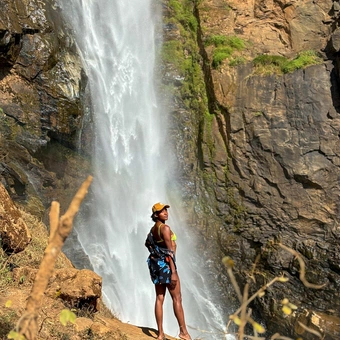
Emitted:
<point x="174" y="279"/>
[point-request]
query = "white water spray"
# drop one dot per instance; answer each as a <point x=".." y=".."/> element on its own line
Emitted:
<point x="117" y="41"/>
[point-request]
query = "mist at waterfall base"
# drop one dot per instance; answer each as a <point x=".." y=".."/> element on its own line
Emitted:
<point x="132" y="167"/>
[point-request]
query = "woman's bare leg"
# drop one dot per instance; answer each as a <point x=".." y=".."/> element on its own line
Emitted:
<point x="178" y="310"/>
<point x="160" y="295"/>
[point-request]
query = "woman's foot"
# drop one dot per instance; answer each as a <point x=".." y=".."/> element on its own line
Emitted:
<point x="184" y="336"/>
<point x="161" y="337"/>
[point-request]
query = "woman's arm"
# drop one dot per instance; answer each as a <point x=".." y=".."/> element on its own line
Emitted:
<point x="166" y="235"/>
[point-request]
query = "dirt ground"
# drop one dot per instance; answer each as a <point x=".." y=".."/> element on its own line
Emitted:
<point x="100" y="326"/>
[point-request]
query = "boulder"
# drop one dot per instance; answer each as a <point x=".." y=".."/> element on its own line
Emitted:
<point x="82" y="324"/>
<point x="79" y="288"/>
<point x="100" y="329"/>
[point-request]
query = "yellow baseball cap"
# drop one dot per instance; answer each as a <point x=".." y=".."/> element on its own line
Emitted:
<point x="159" y="206"/>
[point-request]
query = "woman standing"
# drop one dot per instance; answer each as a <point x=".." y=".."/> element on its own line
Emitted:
<point x="161" y="242"/>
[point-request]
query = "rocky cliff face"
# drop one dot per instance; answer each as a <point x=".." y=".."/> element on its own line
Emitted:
<point x="41" y="103"/>
<point x="280" y="136"/>
<point x="268" y="152"/>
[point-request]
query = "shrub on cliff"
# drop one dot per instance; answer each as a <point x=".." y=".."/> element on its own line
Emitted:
<point x="274" y="64"/>
<point x="225" y="47"/>
<point x="304" y="59"/>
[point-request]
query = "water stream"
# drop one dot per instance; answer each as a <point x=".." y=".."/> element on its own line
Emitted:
<point x="116" y="39"/>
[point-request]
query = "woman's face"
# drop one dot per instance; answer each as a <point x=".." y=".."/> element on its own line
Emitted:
<point x="163" y="214"/>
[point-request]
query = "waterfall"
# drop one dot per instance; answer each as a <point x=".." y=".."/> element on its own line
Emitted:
<point x="116" y="39"/>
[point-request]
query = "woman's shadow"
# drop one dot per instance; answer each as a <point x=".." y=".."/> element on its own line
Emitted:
<point x="152" y="333"/>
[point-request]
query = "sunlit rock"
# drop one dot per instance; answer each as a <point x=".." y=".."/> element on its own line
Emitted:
<point x="14" y="234"/>
<point x="80" y="288"/>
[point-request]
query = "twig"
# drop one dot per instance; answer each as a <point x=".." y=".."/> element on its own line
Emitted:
<point x="310" y="330"/>
<point x="229" y="263"/>
<point x="262" y="289"/>
<point x="277" y="336"/>
<point x="254" y="267"/>
<point x="243" y="315"/>
<point x="302" y="268"/>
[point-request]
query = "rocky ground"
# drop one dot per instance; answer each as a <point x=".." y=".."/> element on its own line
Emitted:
<point x="99" y="326"/>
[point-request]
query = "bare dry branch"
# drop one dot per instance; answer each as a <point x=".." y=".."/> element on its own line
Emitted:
<point x="244" y="300"/>
<point x="277" y="336"/>
<point x="262" y="289"/>
<point x="312" y="331"/>
<point x="302" y="268"/>
<point x="60" y="229"/>
<point x="54" y="218"/>
<point x="229" y="263"/>
<point x="243" y="315"/>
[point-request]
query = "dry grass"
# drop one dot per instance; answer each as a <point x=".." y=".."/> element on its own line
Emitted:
<point x="34" y="252"/>
<point x="5" y="273"/>
<point x="7" y="323"/>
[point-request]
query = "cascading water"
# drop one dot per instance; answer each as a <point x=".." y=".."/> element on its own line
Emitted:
<point x="131" y="165"/>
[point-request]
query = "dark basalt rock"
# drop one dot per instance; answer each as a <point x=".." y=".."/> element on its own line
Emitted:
<point x="268" y="161"/>
<point x="283" y="146"/>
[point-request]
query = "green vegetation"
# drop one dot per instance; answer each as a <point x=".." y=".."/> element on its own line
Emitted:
<point x="207" y="129"/>
<point x="268" y="60"/>
<point x="225" y="47"/>
<point x="172" y="52"/>
<point x="67" y="316"/>
<point x="303" y="59"/>
<point x="183" y="55"/>
<point x="15" y="336"/>
<point x="185" y="17"/>
<point x="237" y="61"/>
<point x="273" y="64"/>
<point x="216" y="40"/>
<point x="222" y="40"/>
<point x="221" y="54"/>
